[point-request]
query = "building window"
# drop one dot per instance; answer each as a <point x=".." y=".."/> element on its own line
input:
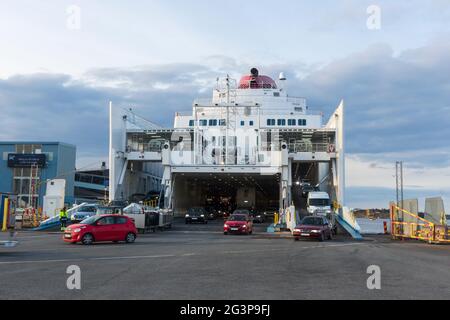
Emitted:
<point x="191" y="123"/>
<point x="281" y="122"/>
<point x="251" y="123"/>
<point x="242" y="123"/>
<point x="302" y="122"/>
<point x="26" y="185"/>
<point x="213" y="122"/>
<point x="270" y="122"/>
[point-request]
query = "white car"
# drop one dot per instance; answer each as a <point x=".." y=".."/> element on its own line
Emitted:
<point x="83" y="212"/>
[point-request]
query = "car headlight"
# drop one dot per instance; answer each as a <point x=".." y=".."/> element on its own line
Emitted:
<point x="297" y="230"/>
<point x="202" y="215"/>
<point x="187" y="216"/>
<point x="77" y="230"/>
<point x="315" y="231"/>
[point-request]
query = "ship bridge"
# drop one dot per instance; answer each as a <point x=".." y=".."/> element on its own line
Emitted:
<point x="249" y="146"/>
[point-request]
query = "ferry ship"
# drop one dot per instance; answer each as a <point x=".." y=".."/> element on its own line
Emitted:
<point x="251" y="145"/>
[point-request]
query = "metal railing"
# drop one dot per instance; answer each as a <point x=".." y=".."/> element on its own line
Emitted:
<point x="144" y="148"/>
<point x="249" y="100"/>
<point x="415" y="227"/>
<point x="311" y="147"/>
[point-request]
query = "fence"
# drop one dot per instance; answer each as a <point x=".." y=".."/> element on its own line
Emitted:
<point x="405" y="224"/>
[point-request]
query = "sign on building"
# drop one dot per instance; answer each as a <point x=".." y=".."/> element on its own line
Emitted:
<point x="19" y="160"/>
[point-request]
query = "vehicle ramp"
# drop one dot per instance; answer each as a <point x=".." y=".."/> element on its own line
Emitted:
<point x="53" y="222"/>
<point x="347" y="221"/>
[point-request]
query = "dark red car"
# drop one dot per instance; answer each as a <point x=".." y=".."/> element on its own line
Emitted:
<point x="102" y="228"/>
<point x="239" y="224"/>
<point x="313" y="227"/>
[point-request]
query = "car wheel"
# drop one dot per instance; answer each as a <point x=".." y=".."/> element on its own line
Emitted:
<point x="330" y="236"/>
<point x="296" y="239"/>
<point x="131" y="237"/>
<point x="251" y="231"/>
<point x="225" y="233"/>
<point x="87" y="239"/>
<point x="322" y="237"/>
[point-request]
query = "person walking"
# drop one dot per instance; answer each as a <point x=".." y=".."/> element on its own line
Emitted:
<point x="63" y="218"/>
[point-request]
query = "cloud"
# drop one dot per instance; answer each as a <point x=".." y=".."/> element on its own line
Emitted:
<point x="398" y="105"/>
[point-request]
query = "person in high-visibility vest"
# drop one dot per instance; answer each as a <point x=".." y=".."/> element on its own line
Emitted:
<point x="63" y="218"/>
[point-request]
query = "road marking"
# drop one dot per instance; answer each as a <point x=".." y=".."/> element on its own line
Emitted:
<point x="189" y="254"/>
<point x="179" y="255"/>
<point x="134" y="257"/>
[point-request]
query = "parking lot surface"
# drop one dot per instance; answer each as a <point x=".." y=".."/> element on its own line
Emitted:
<point x="199" y="262"/>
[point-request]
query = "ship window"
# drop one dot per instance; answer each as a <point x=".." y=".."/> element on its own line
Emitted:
<point x="281" y="122"/>
<point x="213" y="122"/>
<point x="251" y="123"/>
<point x="270" y="122"/>
<point x="292" y="122"/>
<point x="222" y="122"/>
<point x="242" y="123"/>
<point x="191" y="123"/>
<point x="203" y="123"/>
<point x="302" y="122"/>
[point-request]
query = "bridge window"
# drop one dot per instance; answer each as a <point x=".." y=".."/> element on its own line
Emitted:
<point x="302" y="122"/>
<point x="191" y="123"/>
<point x="213" y="122"/>
<point x="251" y="123"/>
<point x="270" y="122"/>
<point x="222" y="122"/>
<point x="242" y="123"/>
<point x="281" y="122"/>
<point x="203" y="123"/>
<point x="292" y="122"/>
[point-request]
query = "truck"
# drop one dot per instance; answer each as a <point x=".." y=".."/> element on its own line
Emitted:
<point x="319" y="203"/>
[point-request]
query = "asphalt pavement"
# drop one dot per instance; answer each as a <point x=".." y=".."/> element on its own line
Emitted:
<point x="199" y="262"/>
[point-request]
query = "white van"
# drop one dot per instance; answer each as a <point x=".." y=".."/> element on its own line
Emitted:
<point x="319" y="203"/>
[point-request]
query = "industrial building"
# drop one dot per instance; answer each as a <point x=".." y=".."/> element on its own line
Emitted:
<point x="27" y="166"/>
<point x="250" y="145"/>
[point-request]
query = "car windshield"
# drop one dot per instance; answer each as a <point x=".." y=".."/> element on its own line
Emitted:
<point x="319" y="202"/>
<point x="241" y="211"/>
<point x="312" y="221"/>
<point x="238" y="217"/>
<point x="90" y="220"/>
<point x="195" y="211"/>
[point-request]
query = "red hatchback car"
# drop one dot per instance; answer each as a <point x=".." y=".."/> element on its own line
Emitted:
<point x="102" y="228"/>
<point x="238" y="223"/>
<point x="313" y="227"/>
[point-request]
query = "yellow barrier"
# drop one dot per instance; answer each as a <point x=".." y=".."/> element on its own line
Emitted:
<point x="5" y="215"/>
<point x="421" y="230"/>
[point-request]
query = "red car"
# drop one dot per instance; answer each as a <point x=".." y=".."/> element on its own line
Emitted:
<point x="238" y="223"/>
<point x="313" y="227"/>
<point x="102" y="228"/>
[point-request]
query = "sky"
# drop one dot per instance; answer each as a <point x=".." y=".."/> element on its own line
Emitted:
<point x="61" y="62"/>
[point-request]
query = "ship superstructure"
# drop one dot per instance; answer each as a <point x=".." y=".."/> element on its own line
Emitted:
<point x="250" y="145"/>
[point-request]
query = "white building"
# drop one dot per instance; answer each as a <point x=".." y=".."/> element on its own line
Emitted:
<point x="250" y="145"/>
